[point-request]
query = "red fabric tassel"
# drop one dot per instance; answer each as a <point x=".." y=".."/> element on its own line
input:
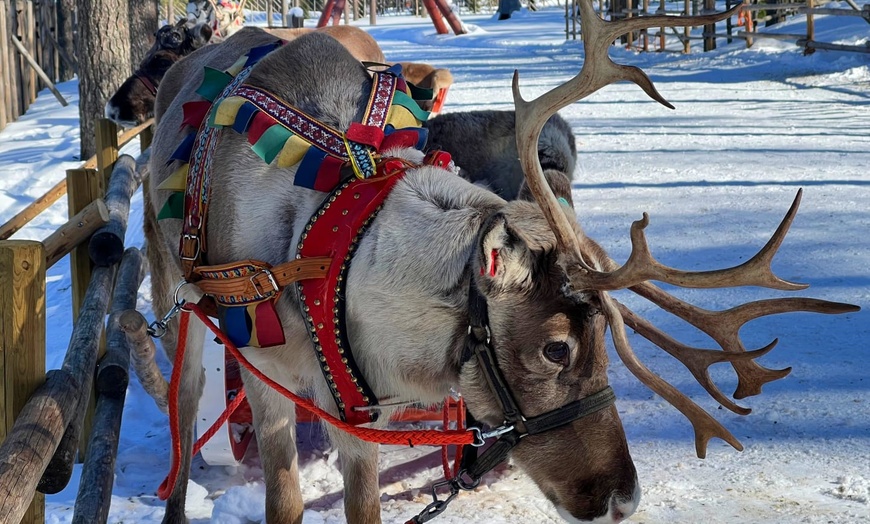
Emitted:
<point x="329" y="174"/>
<point x="259" y="124"/>
<point x="194" y="112"/>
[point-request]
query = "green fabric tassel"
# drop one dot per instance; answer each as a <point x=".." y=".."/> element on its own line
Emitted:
<point x="408" y="103"/>
<point x="421" y="93"/>
<point x="271" y="142"/>
<point x="174" y="207"/>
<point x="213" y="82"/>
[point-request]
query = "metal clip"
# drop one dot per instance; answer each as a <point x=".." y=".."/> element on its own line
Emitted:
<point x="157" y="328"/>
<point x="481" y="436"/>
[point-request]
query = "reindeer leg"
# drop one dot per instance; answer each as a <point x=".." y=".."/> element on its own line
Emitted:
<point x="359" y="467"/>
<point x="275" y="428"/>
<point x="190" y="390"/>
<point x="165" y="274"/>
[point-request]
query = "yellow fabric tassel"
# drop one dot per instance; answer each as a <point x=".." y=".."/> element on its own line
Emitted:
<point x="293" y="151"/>
<point x="399" y="117"/>
<point x="177" y="181"/>
<point x="227" y="110"/>
<point x="236" y="68"/>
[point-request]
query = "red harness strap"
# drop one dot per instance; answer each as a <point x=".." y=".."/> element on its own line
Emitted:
<point x="334" y="231"/>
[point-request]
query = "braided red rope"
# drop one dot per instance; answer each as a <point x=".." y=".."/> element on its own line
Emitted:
<point x="379" y="436"/>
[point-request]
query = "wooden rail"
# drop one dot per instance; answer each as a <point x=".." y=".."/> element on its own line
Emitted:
<point x="60" y="189"/>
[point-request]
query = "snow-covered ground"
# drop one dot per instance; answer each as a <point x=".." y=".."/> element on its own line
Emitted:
<point x="750" y="127"/>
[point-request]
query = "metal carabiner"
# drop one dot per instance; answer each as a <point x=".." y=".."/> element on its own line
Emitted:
<point x="158" y="328"/>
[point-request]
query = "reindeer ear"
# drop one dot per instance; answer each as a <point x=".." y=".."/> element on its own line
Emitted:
<point x="504" y="259"/>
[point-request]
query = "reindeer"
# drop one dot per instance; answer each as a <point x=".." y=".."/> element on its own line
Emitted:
<point x="484" y="146"/>
<point x="133" y="102"/>
<point x="450" y="287"/>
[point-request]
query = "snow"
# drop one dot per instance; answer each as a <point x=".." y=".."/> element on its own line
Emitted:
<point x="716" y="175"/>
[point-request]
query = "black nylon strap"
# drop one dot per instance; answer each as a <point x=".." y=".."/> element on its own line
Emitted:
<point x="570" y="412"/>
<point x="494" y="455"/>
<point x="478" y="344"/>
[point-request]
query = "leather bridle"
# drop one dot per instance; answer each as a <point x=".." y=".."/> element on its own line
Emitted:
<point x="147" y="82"/>
<point x="515" y="426"/>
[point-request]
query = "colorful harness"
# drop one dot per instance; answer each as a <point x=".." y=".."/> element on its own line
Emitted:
<point x="246" y="291"/>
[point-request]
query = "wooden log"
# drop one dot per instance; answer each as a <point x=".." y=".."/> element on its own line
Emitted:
<point x="75" y="231"/>
<point x="83" y="187"/>
<point x="31" y="211"/>
<point x="449" y="15"/>
<point x="775" y="36"/>
<point x="113" y="372"/>
<point x="98" y="472"/>
<point x="107" y="245"/>
<point x="28" y="28"/>
<point x="435" y="15"/>
<point x="4" y="119"/>
<point x="33" y="439"/>
<point x="7" y="73"/>
<point x="80" y="362"/>
<point x="834" y="47"/>
<point x="30" y="61"/>
<point x="865" y="14"/>
<point x="68" y="60"/>
<point x="22" y="371"/>
<point x="142" y="352"/>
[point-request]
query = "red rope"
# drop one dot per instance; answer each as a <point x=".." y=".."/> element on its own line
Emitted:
<point x="168" y="483"/>
<point x="458" y="437"/>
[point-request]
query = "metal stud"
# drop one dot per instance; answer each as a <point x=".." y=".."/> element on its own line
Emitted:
<point x="320" y="325"/>
<point x="335" y="229"/>
<point x="344" y="211"/>
<point x="325" y="368"/>
<point x="343" y="360"/>
<point x="365" y="399"/>
<point x="356" y="196"/>
<point x="316" y="302"/>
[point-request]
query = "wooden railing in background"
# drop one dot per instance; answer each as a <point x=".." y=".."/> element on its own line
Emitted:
<point x="755" y="12"/>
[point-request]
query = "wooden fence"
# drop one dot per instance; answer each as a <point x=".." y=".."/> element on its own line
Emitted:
<point x="45" y="414"/>
<point x="30" y="56"/>
<point x="746" y="27"/>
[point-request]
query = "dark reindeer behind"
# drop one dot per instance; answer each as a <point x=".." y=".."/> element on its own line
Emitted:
<point x="484" y="146"/>
<point x="133" y="102"/>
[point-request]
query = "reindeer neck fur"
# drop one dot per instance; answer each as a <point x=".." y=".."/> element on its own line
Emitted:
<point x="408" y="285"/>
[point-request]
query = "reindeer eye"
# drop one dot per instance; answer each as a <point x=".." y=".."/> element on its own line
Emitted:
<point x="557" y="352"/>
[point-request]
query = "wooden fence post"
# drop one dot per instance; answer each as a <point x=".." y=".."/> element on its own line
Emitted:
<point x="709" y="29"/>
<point x="22" y="339"/>
<point x="106" y="135"/>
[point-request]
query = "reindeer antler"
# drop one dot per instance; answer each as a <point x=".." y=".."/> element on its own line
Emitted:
<point x="723" y="326"/>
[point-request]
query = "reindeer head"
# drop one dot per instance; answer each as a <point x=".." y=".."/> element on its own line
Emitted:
<point x="133" y="102"/>
<point x="544" y="288"/>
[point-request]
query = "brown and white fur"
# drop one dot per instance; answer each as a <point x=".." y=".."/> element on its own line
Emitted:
<point x="406" y="299"/>
<point x="133" y="103"/>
